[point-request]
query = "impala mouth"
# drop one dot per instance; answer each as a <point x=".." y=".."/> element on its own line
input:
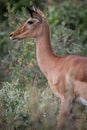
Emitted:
<point x="14" y="39"/>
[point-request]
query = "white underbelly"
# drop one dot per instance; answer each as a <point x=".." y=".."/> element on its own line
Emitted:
<point x="79" y="99"/>
<point x="82" y="100"/>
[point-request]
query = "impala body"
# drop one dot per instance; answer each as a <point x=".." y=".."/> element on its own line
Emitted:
<point x="57" y="69"/>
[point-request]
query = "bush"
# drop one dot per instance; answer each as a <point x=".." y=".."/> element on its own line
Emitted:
<point x="22" y="107"/>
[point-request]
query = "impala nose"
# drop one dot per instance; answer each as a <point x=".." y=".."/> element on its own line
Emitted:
<point x="11" y="35"/>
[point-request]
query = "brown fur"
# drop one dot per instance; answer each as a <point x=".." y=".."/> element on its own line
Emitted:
<point x="56" y="68"/>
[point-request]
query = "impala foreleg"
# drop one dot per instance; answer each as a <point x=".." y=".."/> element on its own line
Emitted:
<point x="66" y="108"/>
<point x="65" y="114"/>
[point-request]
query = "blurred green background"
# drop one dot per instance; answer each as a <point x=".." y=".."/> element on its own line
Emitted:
<point x="24" y="91"/>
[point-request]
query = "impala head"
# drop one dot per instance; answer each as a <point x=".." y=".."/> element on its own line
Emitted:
<point x="32" y="28"/>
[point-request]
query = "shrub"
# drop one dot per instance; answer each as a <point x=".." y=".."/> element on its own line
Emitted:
<point x="21" y="107"/>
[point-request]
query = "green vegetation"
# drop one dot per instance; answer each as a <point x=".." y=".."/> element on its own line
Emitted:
<point x="26" y="101"/>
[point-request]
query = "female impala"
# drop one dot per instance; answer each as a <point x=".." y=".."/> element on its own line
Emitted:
<point x="56" y="68"/>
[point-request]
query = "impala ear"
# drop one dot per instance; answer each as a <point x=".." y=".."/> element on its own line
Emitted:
<point x="34" y="13"/>
<point x="31" y="11"/>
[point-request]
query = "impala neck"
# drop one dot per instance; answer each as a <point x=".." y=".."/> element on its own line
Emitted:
<point x="45" y="56"/>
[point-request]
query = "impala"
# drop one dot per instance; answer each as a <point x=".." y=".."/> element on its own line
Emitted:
<point x="57" y="69"/>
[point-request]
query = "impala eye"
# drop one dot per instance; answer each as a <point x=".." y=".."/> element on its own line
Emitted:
<point x="30" y="22"/>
